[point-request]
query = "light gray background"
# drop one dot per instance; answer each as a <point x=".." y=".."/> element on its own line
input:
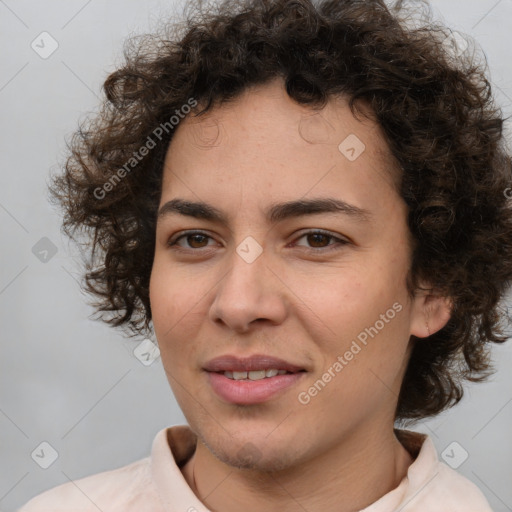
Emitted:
<point x="75" y="383"/>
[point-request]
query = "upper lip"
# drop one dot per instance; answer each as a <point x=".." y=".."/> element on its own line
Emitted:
<point x="246" y="364"/>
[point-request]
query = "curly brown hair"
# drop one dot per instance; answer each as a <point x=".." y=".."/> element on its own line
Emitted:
<point x="435" y="108"/>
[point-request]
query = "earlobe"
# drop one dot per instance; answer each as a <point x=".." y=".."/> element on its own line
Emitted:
<point x="430" y="314"/>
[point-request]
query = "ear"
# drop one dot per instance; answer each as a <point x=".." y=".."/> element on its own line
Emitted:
<point x="430" y="313"/>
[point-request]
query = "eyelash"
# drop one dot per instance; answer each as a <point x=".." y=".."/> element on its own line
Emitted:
<point x="328" y="248"/>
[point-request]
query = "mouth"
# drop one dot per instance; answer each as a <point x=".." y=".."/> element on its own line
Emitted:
<point x="251" y="365"/>
<point x="255" y="374"/>
<point x="251" y="380"/>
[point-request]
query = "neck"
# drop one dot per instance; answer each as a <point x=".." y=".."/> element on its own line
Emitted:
<point x="349" y="477"/>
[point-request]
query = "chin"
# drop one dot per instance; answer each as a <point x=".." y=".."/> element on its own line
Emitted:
<point x="251" y="453"/>
<point x="249" y="457"/>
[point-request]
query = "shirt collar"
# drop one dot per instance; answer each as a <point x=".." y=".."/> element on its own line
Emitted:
<point x="419" y="474"/>
<point x="173" y="447"/>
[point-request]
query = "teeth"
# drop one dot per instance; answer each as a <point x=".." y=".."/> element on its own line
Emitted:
<point x="254" y="375"/>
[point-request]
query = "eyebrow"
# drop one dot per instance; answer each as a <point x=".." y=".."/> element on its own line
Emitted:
<point x="275" y="213"/>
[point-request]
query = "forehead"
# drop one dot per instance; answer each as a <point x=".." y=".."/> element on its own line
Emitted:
<point x="265" y="135"/>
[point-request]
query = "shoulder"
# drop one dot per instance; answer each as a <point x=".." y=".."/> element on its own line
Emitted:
<point x="456" y="492"/>
<point x="126" y="488"/>
<point x="433" y="486"/>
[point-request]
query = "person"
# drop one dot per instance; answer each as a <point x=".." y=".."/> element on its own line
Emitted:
<point x="305" y="203"/>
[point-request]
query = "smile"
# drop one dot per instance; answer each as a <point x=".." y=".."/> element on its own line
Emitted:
<point x="254" y="375"/>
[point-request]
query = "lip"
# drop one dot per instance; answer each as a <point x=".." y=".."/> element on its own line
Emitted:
<point x="246" y="392"/>
<point x="233" y="363"/>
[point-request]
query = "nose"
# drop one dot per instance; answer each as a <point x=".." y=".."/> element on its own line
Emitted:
<point x="248" y="294"/>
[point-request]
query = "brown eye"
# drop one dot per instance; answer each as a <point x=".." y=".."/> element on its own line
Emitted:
<point x="318" y="240"/>
<point x="194" y="240"/>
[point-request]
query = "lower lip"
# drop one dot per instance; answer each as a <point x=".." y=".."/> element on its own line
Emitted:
<point x="251" y="391"/>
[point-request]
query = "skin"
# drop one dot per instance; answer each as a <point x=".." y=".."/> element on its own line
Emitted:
<point x="304" y="299"/>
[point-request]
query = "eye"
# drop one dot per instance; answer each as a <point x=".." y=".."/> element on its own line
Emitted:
<point x="319" y="240"/>
<point x="194" y="240"/>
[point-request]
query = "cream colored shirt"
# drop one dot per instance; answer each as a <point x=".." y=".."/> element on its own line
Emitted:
<point x="156" y="484"/>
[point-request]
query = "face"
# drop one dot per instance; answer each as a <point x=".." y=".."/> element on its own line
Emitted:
<point x="300" y="252"/>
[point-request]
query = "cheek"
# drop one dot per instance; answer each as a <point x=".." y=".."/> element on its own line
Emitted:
<point x="347" y="301"/>
<point x="363" y="361"/>
<point x="178" y="308"/>
<point x="362" y="316"/>
<point x="168" y="305"/>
